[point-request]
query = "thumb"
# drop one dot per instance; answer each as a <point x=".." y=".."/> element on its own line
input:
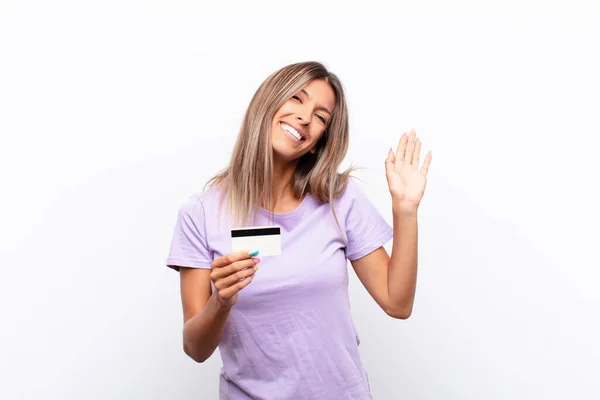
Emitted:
<point x="389" y="162"/>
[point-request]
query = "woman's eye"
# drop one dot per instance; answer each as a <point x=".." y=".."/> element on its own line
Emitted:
<point x="297" y="98"/>
<point x="321" y="118"/>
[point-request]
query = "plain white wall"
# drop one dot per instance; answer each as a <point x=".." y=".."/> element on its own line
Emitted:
<point x="112" y="113"/>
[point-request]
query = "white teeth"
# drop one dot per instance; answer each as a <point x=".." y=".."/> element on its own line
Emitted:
<point x="292" y="131"/>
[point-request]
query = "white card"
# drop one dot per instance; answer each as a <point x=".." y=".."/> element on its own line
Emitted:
<point x="265" y="239"/>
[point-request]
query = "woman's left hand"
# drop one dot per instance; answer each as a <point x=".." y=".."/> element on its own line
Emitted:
<point x="405" y="180"/>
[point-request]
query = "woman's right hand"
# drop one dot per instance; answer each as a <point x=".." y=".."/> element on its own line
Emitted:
<point x="231" y="273"/>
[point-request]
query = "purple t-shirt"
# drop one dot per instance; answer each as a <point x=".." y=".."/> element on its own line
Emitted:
<point x="290" y="335"/>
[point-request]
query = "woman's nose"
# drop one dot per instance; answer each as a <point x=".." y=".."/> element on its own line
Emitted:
<point x="302" y="119"/>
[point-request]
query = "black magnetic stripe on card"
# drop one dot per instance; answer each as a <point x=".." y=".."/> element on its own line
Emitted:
<point x="255" y="232"/>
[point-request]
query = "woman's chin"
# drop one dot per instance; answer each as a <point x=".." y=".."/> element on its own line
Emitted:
<point x="285" y="154"/>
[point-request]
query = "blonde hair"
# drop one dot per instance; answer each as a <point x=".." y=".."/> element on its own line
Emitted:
<point x="248" y="181"/>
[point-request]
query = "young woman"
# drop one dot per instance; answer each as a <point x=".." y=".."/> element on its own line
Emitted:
<point x="285" y="331"/>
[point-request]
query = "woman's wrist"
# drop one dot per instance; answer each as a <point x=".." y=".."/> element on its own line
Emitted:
<point x="219" y="305"/>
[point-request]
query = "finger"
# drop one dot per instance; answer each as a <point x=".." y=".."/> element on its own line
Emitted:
<point x="227" y="293"/>
<point x="230" y="259"/>
<point x="417" y="155"/>
<point x="389" y="162"/>
<point x="399" y="159"/>
<point x="234" y="278"/>
<point x="219" y="273"/>
<point x="426" y="164"/>
<point x="410" y="147"/>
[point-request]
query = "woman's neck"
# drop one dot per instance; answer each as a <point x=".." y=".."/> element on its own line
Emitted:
<point x="282" y="189"/>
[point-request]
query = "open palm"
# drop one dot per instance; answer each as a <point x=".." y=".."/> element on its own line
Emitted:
<point x="405" y="180"/>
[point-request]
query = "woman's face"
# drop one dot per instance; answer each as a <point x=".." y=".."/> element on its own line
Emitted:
<point x="301" y="121"/>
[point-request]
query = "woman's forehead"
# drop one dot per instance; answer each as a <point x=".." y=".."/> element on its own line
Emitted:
<point x="321" y="92"/>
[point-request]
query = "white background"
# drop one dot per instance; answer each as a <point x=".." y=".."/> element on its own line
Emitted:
<point x="112" y="113"/>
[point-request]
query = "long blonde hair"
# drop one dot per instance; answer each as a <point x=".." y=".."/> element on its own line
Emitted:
<point x="248" y="181"/>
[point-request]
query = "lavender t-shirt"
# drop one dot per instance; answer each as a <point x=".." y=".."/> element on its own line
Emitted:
<point x="291" y="334"/>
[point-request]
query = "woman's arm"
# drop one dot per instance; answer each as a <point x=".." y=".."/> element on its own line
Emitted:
<point x="402" y="280"/>
<point x="392" y="281"/>
<point x="204" y="315"/>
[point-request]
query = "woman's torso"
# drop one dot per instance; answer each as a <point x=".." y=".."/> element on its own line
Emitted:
<point x="291" y="335"/>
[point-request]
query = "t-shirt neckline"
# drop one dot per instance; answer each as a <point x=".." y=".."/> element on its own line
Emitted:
<point x="288" y="214"/>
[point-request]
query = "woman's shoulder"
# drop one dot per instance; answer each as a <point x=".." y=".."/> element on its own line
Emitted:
<point x="351" y="190"/>
<point x="201" y="199"/>
<point x="355" y="197"/>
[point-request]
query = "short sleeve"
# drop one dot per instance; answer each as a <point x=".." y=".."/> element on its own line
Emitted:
<point x="189" y="247"/>
<point x="366" y="229"/>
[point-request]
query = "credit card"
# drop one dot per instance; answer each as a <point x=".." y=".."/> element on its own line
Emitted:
<point x="265" y="239"/>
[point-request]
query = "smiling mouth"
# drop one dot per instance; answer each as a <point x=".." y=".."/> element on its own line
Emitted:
<point x="291" y="132"/>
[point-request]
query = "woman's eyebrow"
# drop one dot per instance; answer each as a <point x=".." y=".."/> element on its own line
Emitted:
<point x="320" y="107"/>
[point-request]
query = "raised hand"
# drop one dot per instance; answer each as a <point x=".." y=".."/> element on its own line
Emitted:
<point x="406" y="182"/>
